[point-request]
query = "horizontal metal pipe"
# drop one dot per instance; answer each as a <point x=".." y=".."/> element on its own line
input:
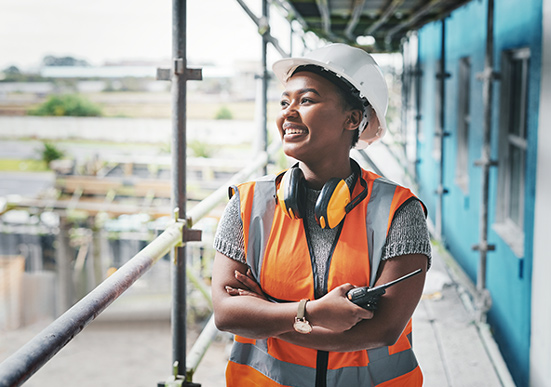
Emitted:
<point x="208" y="334"/>
<point x="199" y="284"/>
<point x="203" y="208"/>
<point x="20" y="366"/>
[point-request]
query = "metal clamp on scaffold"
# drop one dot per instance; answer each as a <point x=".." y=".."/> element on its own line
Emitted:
<point x="165" y="74"/>
<point x="176" y="380"/>
<point x="188" y="234"/>
<point x="191" y="235"/>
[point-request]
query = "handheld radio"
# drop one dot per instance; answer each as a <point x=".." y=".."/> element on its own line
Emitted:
<point x="367" y="297"/>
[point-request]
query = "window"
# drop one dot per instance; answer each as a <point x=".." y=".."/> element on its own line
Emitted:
<point x="463" y="122"/>
<point x="438" y="107"/>
<point x="512" y="148"/>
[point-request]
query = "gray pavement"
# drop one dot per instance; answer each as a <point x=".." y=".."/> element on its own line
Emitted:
<point x="106" y="354"/>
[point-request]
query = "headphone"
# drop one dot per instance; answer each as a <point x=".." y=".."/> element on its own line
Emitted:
<point x="333" y="203"/>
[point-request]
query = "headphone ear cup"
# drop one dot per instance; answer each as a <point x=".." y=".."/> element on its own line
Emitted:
<point x="330" y="207"/>
<point x="290" y="193"/>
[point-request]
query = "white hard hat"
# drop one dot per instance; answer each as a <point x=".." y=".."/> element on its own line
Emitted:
<point x="358" y="68"/>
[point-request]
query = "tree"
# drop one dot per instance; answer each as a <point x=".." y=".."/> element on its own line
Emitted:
<point x="12" y="70"/>
<point x="50" y="60"/>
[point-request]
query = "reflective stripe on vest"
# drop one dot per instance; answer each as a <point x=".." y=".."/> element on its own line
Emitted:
<point x="382" y="367"/>
<point x="290" y="365"/>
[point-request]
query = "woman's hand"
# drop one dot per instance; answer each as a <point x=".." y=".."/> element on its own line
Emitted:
<point x="250" y="286"/>
<point x="335" y="311"/>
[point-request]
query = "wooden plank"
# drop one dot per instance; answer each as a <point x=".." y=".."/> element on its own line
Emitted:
<point x="426" y="347"/>
<point x="446" y="339"/>
<point x="92" y="185"/>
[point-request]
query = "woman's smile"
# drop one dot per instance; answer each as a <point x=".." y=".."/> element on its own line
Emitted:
<point x="291" y="131"/>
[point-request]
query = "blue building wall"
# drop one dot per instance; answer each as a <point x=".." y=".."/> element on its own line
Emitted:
<point x="429" y="53"/>
<point x="517" y="24"/>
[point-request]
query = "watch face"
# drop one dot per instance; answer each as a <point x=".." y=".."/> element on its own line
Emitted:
<point x="302" y="326"/>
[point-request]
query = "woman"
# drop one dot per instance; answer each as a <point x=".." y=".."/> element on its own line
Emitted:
<point x="284" y="266"/>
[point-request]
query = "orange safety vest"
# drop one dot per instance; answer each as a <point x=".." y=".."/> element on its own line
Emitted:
<point x="278" y="254"/>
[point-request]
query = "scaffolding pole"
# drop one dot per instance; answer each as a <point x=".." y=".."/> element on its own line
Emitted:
<point x="441" y="190"/>
<point x="489" y="76"/>
<point x="180" y="75"/>
<point x="265" y="31"/>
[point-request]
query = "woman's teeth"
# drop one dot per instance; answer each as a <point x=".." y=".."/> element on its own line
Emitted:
<point x="295" y="131"/>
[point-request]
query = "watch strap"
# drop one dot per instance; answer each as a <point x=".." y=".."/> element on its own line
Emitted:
<point x="301" y="312"/>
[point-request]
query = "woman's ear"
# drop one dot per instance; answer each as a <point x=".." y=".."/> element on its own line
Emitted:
<point x="354" y="119"/>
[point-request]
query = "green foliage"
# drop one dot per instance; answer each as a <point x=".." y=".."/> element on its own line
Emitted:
<point x="51" y="60"/>
<point x="200" y="148"/>
<point x="72" y="105"/>
<point x="12" y="71"/>
<point x="13" y="74"/>
<point x="50" y="152"/>
<point x="224" y="113"/>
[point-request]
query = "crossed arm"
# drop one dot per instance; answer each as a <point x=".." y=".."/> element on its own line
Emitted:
<point x="338" y="325"/>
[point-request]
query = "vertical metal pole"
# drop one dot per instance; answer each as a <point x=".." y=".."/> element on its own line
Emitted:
<point x="441" y="190"/>
<point x="97" y="237"/>
<point x="487" y="91"/>
<point x="418" y="115"/>
<point x="65" y="287"/>
<point x="265" y="78"/>
<point x="291" y="36"/>
<point x="179" y="180"/>
<point x="406" y="87"/>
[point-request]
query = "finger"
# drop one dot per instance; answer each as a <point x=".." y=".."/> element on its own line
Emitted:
<point x="245" y="277"/>
<point x="232" y="291"/>
<point x="365" y="314"/>
<point x="251" y="278"/>
<point x="249" y="282"/>
<point x="244" y="292"/>
<point x="344" y="288"/>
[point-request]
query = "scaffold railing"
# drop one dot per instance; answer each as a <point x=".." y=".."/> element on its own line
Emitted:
<point x="21" y="365"/>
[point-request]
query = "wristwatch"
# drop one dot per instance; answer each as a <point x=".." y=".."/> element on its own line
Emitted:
<point x="302" y="325"/>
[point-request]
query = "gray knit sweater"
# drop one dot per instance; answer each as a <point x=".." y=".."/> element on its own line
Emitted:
<point x="408" y="233"/>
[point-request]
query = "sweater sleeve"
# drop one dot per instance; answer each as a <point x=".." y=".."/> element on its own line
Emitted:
<point x="228" y="239"/>
<point x="408" y="233"/>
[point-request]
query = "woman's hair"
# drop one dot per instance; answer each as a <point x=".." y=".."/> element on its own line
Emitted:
<point x="348" y="93"/>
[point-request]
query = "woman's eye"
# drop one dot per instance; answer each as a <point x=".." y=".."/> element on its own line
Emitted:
<point x="284" y="103"/>
<point x="305" y="100"/>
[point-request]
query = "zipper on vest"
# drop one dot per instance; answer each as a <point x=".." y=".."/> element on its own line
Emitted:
<point x="322" y="359"/>
<point x="322" y="362"/>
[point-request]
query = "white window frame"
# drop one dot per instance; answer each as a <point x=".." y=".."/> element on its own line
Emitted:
<point x="438" y="106"/>
<point x="513" y="146"/>
<point x="463" y="124"/>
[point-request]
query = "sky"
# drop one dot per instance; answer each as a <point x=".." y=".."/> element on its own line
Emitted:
<point x="218" y="31"/>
